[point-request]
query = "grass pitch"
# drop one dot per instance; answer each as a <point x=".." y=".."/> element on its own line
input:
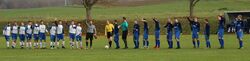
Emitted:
<point x="99" y="53"/>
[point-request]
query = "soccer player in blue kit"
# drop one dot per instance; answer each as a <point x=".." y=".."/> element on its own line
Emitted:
<point x="116" y="34"/>
<point x="169" y="33"/>
<point x="14" y="34"/>
<point x="145" y="34"/>
<point x="36" y="30"/>
<point x="72" y="32"/>
<point x="195" y="28"/>
<point x="177" y="32"/>
<point x="136" y="32"/>
<point x="157" y="33"/>
<point x="52" y="35"/>
<point x="239" y="30"/>
<point x="207" y="33"/>
<point x="60" y="34"/>
<point x="42" y="34"/>
<point x="22" y="33"/>
<point x="29" y="29"/>
<point x="221" y="30"/>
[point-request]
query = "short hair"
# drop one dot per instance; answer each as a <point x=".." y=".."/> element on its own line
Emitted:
<point x="144" y="19"/>
<point x="115" y="20"/>
<point x="41" y="20"/>
<point x="124" y="18"/>
<point x="206" y="20"/>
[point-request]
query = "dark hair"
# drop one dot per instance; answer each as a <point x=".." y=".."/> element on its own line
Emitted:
<point x="124" y="18"/>
<point x="144" y="19"/>
<point x="41" y="20"/>
<point x="115" y="20"/>
<point x="206" y="20"/>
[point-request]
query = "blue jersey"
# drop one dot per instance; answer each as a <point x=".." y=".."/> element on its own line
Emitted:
<point x="177" y="27"/>
<point x="207" y="29"/>
<point x="169" y="27"/>
<point x="157" y="25"/>
<point x="145" y="27"/>
<point x="221" y="23"/>
<point x="239" y="25"/>
<point x="116" y="29"/>
<point x="195" y="26"/>
<point x="136" y="29"/>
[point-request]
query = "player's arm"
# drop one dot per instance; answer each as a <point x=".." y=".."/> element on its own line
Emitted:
<point x="180" y="27"/>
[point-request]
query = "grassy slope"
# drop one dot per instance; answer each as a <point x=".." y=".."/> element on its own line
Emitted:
<point x="205" y="8"/>
<point x="230" y="53"/>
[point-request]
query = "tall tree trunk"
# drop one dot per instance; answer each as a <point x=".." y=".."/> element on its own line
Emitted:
<point x="88" y="13"/>
<point x="191" y="9"/>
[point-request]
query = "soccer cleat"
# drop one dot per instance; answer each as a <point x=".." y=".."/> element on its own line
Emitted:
<point x="12" y="47"/>
<point x="178" y="48"/>
<point x="63" y="47"/>
<point x="241" y="48"/>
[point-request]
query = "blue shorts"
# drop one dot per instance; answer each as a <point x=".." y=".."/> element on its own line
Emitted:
<point x="7" y="38"/>
<point x="14" y="36"/>
<point x="136" y="36"/>
<point x="145" y="36"/>
<point x="177" y="34"/>
<point x="206" y="37"/>
<point x="220" y="33"/>
<point x="28" y="36"/>
<point x="36" y="37"/>
<point x="116" y="37"/>
<point x="157" y="34"/>
<point x="78" y="38"/>
<point x="42" y="36"/>
<point x="52" y="38"/>
<point x="60" y="37"/>
<point x="239" y="34"/>
<point x="71" y="36"/>
<point x="169" y="36"/>
<point x="22" y="37"/>
<point x="195" y="35"/>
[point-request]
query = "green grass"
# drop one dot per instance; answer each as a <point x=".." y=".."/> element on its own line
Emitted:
<point x="230" y="53"/>
<point x="178" y="8"/>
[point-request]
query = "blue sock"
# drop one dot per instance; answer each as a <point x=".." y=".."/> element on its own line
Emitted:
<point x="158" y="43"/>
<point x="171" y="44"/>
<point x="194" y="43"/>
<point x="178" y="44"/>
<point x="147" y="43"/>
<point x="241" y="43"/>
<point x="222" y="43"/>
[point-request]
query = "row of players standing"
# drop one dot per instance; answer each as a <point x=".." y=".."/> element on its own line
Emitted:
<point x="38" y="32"/>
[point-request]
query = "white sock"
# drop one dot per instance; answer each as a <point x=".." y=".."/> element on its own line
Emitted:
<point x="34" y="43"/>
<point x="80" y="43"/>
<point x="27" y="44"/>
<point x="41" y="44"/>
<point x="30" y="44"/>
<point x="76" y="44"/>
<point x="51" y="43"/>
<point x="63" y="43"/>
<point x="44" y="44"/>
<point x="57" y="43"/>
<point x="8" y="44"/>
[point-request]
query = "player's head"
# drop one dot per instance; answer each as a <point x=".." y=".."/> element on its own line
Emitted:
<point x="239" y="17"/>
<point x="72" y="22"/>
<point x="29" y="22"/>
<point x="176" y="20"/>
<point x="124" y="18"/>
<point x="195" y="19"/>
<point x="8" y="24"/>
<point x="60" y="22"/>
<point x="206" y="20"/>
<point x="219" y="17"/>
<point x="79" y="23"/>
<point x="22" y="24"/>
<point x="107" y="21"/>
<point x="115" y="21"/>
<point x="15" y="23"/>
<point x="169" y="20"/>
<point x="41" y="22"/>
<point x="91" y="22"/>
<point x="135" y="22"/>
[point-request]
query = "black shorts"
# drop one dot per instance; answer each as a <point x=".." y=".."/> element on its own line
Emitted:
<point x="109" y="34"/>
<point x="124" y="34"/>
<point x="89" y="36"/>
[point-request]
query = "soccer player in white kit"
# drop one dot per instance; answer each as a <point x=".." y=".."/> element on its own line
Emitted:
<point x="22" y="33"/>
<point x="72" y="32"/>
<point x="36" y="34"/>
<point x="60" y="34"/>
<point x="14" y="34"/>
<point x="6" y="33"/>
<point x="53" y="35"/>
<point x="79" y="35"/>
<point x="29" y="29"/>
<point x="42" y="34"/>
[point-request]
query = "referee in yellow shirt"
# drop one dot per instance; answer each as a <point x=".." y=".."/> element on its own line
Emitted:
<point x="109" y="32"/>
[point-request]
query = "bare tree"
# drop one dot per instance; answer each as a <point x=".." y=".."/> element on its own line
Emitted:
<point x="191" y="7"/>
<point x="88" y="4"/>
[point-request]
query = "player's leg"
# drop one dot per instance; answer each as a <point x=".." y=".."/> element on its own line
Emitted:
<point x="116" y="39"/>
<point x="91" y="40"/>
<point x="240" y="36"/>
<point x="87" y="40"/>
<point x="193" y="40"/>
<point x="7" y="38"/>
<point x="220" y="37"/>
<point x="124" y="38"/>
<point x="207" y="41"/>
<point x="178" y="40"/>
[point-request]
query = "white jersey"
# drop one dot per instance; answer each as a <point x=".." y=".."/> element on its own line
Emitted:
<point x="72" y="29"/>
<point x="14" y="29"/>
<point x="29" y="29"/>
<point x="43" y="29"/>
<point x="36" y="29"/>
<point x="78" y="30"/>
<point x="59" y="29"/>
<point x="53" y="30"/>
<point x="7" y="31"/>
<point x="22" y="30"/>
